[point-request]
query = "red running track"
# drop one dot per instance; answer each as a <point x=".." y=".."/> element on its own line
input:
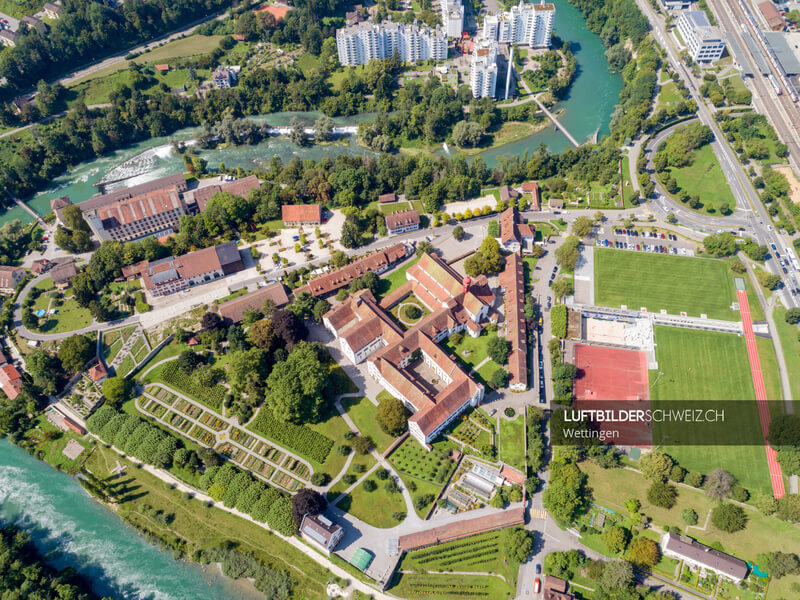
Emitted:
<point x="775" y="475"/>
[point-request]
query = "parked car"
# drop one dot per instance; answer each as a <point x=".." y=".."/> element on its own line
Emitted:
<point x="537" y="585"/>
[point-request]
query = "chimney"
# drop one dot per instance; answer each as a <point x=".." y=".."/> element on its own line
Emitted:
<point x="467" y="281"/>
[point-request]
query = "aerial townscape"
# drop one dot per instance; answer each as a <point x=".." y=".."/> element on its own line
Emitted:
<point x="402" y="299"/>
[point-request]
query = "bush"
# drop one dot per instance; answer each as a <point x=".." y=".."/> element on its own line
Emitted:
<point x="370" y="486"/>
<point x="381" y="473"/>
<point x="320" y="478"/>
<point x="728" y="517"/>
<point x="694" y="479"/>
<point x="662" y="494"/>
<point x="412" y="312"/>
<point x="558" y="320"/>
<point x="509" y="412"/>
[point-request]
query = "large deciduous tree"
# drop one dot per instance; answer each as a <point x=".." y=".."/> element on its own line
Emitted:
<point x="296" y="386"/>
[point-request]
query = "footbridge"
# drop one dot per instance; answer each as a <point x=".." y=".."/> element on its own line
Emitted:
<point x="556" y="122"/>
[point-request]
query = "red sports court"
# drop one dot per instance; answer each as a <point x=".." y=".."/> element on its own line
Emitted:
<point x="610" y="374"/>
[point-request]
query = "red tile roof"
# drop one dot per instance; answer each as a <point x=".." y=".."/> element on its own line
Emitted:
<point x="390" y="197"/>
<point x="234" y="310"/>
<point x="512" y="228"/>
<point x="339" y="278"/>
<point x="97" y="372"/>
<point x="462" y="528"/>
<point x="301" y="213"/>
<point x="404" y="218"/>
<point x="10" y="380"/>
<point x="10" y="276"/>
<point x="513" y="284"/>
<point x="239" y="187"/>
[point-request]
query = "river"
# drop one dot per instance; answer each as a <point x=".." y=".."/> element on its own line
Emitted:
<point x="586" y="109"/>
<point x="72" y="529"/>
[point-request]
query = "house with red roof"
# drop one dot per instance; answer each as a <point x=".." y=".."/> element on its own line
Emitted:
<point x="294" y="215"/>
<point x="10" y="380"/>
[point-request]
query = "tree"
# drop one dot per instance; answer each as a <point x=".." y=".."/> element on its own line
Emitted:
<point x="74" y="352"/>
<point x="662" y="494"/>
<point x="689" y="516"/>
<point x="656" y="465"/>
<point x="517" y="544"/>
<point x="784" y="430"/>
<point x="187" y="361"/>
<point x="728" y="517"/>
<point x="262" y="334"/>
<point x="562" y="287"/>
<point x="392" y="417"/>
<point x="486" y="260"/>
<point x="116" y="390"/>
<point x="296" y="386"/>
<point x="498" y="379"/>
<point x="768" y="280"/>
<point x="369" y="485"/>
<point x="297" y="133"/>
<point x="458" y="233"/>
<point x="779" y="564"/>
<point x="323" y="129"/>
<point x="582" y="226"/>
<point x="718" y="484"/>
<point x="615" y="538"/>
<point x="467" y="134"/>
<point x="498" y="350"/>
<point x="567" y="254"/>
<point x="288" y="327"/>
<point x="644" y="553"/>
<point x="211" y="321"/>
<point x="423" y="247"/>
<point x="564" y="496"/>
<point x="617" y="577"/>
<point x="792" y="316"/>
<point x="720" y="244"/>
<point x="307" y="502"/>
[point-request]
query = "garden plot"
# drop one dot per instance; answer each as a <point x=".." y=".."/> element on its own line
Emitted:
<point x="202" y="435"/>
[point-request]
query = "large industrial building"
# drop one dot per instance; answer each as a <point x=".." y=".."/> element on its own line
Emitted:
<point x="360" y="43"/>
<point x="526" y="24"/>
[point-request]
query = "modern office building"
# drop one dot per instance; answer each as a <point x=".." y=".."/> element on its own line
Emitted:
<point x="527" y="24"/>
<point x="703" y="41"/>
<point x="452" y="17"/>
<point x="483" y="71"/>
<point x="360" y="43"/>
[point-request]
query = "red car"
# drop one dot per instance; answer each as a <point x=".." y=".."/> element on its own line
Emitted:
<point x="537" y="585"/>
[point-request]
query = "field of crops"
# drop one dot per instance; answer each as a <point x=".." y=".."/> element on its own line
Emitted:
<point x="210" y="396"/>
<point x="300" y="439"/>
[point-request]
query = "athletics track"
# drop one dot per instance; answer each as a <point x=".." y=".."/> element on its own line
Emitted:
<point x="761" y="393"/>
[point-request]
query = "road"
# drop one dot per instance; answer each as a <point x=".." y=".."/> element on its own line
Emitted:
<point x="748" y="204"/>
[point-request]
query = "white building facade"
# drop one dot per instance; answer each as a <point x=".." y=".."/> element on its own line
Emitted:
<point x="703" y="41"/>
<point x="452" y="17"/>
<point x="483" y="71"/>
<point x="358" y="44"/>
<point x="527" y="24"/>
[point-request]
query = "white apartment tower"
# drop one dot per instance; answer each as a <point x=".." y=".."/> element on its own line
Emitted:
<point x="483" y="73"/>
<point x="452" y="17"/>
<point x="358" y="44"/>
<point x="527" y="24"/>
<point x="703" y="41"/>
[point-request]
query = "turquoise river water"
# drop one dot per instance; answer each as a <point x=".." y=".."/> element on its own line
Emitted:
<point x="586" y="109"/>
<point x="72" y="529"/>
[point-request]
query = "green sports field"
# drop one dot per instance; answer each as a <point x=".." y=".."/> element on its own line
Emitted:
<point x="673" y="283"/>
<point x="704" y="365"/>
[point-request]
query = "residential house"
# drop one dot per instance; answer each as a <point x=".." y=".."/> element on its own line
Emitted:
<point x="555" y="203"/>
<point x="62" y="274"/>
<point x="52" y="10"/>
<point x="233" y="311"/>
<point x="515" y="236"/>
<point x="8" y="37"/>
<point x="34" y="23"/>
<point x="9" y="278"/>
<point x="555" y="588"/>
<point x="57" y="205"/>
<point x="403" y="221"/>
<point x="386" y="198"/>
<point x="225" y="77"/>
<point x="507" y="193"/>
<point x="702" y="557"/>
<point x="532" y="188"/>
<point x="377" y="262"/>
<point x="322" y="531"/>
<point x="40" y="266"/>
<point x="295" y="215"/>
<point x="162" y="68"/>
<point x="10" y="380"/>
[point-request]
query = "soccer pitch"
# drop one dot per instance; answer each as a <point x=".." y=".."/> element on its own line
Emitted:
<point x="656" y="281"/>
<point x="705" y="365"/>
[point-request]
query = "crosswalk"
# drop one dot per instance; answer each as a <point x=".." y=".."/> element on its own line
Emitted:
<point x="538" y="513"/>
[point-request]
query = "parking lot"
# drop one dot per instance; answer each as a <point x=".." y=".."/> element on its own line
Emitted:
<point x="645" y="241"/>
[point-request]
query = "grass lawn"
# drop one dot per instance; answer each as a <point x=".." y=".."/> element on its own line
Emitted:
<point x="612" y="487"/>
<point x="692" y="285"/>
<point x="70" y="315"/>
<point x="480" y="553"/>
<point x="53" y="450"/>
<point x="471" y="351"/>
<point x="790" y="345"/>
<point x="126" y="366"/>
<point x="703" y="365"/>
<point x="512" y="442"/>
<point x="402" y="318"/>
<point x="375" y="507"/>
<point x="769" y="368"/>
<point x="340" y="486"/>
<point x="393" y="207"/>
<point x="704" y="178"/>
<point x="411" y="458"/>
<point x="668" y="94"/>
<point x="396" y="278"/>
<point x="416" y="586"/>
<point x="204" y="527"/>
<point x="363" y="414"/>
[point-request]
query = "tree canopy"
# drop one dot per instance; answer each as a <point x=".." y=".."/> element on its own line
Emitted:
<point x="296" y="386"/>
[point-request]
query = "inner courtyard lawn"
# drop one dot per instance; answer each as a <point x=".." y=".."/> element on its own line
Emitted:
<point x="673" y="283"/>
<point x="376" y="507"/>
<point x="703" y="365"/>
<point x="512" y="442"/>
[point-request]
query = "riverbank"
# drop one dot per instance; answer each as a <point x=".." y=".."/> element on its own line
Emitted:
<point x="172" y="519"/>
